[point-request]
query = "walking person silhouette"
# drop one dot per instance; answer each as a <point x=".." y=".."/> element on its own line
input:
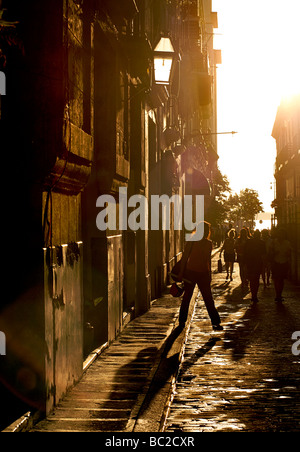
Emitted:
<point x="196" y="269"/>
<point x="240" y="244"/>
<point x="280" y="255"/>
<point x="255" y="254"/>
<point x="229" y="252"/>
<point x="266" y="273"/>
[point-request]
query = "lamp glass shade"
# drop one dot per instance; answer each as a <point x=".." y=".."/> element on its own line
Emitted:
<point x="165" y="46"/>
<point x="162" y="70"/>
<point x="163" y="60"/>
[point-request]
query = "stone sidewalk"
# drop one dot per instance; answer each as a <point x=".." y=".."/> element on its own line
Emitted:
<point x="127" y="388"/>
<point x="246" y="378"/>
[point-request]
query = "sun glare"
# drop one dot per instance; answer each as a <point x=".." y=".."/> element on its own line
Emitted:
<point x="261" y="66"/>
<point x="291" y="82"/>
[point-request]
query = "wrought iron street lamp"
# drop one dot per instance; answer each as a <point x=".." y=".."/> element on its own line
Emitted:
<point x="164" y="55"/>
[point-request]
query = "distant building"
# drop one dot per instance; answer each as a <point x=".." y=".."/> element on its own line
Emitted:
<point x="286" y="132"/>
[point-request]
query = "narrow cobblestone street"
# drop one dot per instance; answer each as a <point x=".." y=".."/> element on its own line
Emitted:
<point x="141" y="137"/>
<point x="244" y="378"/>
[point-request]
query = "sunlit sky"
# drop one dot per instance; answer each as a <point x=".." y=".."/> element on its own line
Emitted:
<point x="260" y="43"/>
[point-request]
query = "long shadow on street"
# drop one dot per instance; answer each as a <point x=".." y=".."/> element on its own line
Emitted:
<point x="250" y="380"/>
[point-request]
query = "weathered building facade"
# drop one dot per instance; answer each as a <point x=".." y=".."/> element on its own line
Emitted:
<point x="286" y="132"/>
<point x="83" y="117"/>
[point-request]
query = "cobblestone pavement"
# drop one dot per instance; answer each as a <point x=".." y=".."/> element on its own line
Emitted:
<point x="245" y="378"/>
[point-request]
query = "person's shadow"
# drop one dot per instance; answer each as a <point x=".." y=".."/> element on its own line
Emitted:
<point x="143" y="378"/>
<point x="170" y="365"/>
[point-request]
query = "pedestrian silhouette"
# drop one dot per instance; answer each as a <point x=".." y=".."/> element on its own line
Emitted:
<point x="266" y="272"/>
<point x="196" y="268"/>
<point x="280" y="256"/>
<point x="240" y="244"/>
<point x="255" y="254"/>
<point x="229" y="252"/>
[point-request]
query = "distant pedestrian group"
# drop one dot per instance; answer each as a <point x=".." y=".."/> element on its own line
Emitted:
<point x="258" y="254"/>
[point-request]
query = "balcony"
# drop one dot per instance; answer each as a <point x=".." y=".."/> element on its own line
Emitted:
<point x="196" y="84"/>
<point x="285" y="156"/>
<point x="192" y="32"/>
<point x="198" y="61"/>
<point x="190" y="8"/>
<point x="201" y="83"/>
<point x="139" y="51"/>
<point x="121" y="9"/>
<point x="72" y="167"/>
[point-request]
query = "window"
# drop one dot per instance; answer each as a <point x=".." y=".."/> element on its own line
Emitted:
<point x="290" y="187"/>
